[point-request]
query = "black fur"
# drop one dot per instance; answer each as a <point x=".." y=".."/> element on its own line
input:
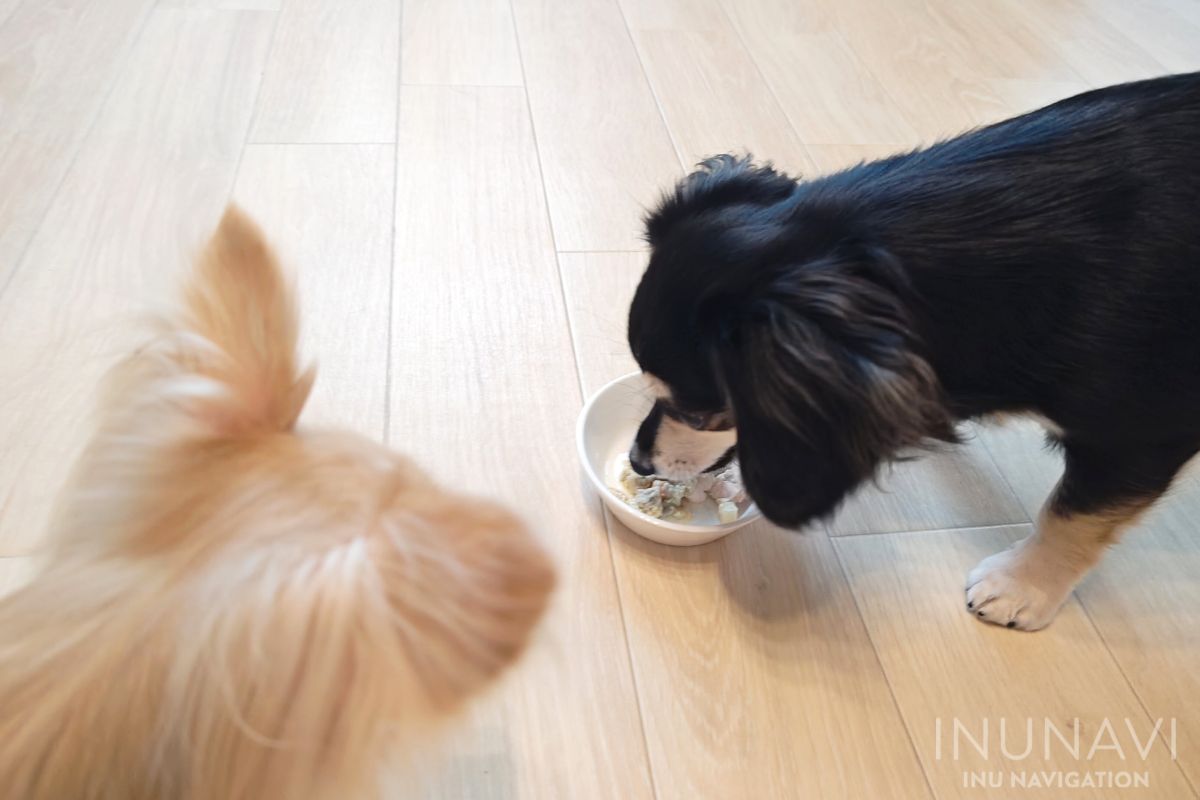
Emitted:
<point x="1048" y="263"/>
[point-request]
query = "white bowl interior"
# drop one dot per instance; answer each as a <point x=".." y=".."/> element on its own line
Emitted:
<point x="606" y="429"/>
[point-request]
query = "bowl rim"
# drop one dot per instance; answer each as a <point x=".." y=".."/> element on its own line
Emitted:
<point x="751" y="513"/>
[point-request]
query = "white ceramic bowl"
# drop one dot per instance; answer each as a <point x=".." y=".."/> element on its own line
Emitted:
<point x="606" y="428"/>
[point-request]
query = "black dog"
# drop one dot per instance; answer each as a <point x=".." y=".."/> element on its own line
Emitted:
<point x="1048" y="264"/>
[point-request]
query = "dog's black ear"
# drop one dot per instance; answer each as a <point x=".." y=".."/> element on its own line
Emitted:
<point x="823" y="372"/>
<point x="789" y="462"/>
<point x="718" y="181"/>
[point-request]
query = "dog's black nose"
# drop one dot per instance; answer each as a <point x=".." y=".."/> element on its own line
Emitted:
<point x="641" y="466"/>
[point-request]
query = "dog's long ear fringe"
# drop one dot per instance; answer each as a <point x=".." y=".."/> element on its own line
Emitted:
<point x="824" y="371"/>
<point x="239" y="301"/>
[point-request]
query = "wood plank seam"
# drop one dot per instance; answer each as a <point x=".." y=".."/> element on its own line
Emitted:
<point x="1004" y="476"/>
<point x="118" y="68"/>
<point x="562" y="295"/>
<point x="596" y="501"/>
<point x="741" y="40"/>
<point x="237" y="168"/>
<point x="387" y="372"/>
<point x="771" y="86"/>
<point x="608" y="517"/>
<point x="1113" y="653"/>
<point x="912" y="742"/>
<point x="637" y="52"/>
<point x="1074" y="595"/>
<point x="258" y="93"/>
<point x="633" y="672"/>
<point x="1132" y="688"/>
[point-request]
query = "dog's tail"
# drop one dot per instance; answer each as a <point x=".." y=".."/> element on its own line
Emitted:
<point x="234" y="611"/>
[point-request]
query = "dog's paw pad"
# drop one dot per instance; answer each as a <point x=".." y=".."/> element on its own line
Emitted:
<point x="1012" y="589"/>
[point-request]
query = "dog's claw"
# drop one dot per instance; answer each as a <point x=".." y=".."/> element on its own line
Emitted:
<point x="1017" y="589"/>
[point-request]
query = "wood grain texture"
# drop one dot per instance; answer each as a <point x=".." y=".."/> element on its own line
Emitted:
<point x="754" y="669"/>
<point x="57" y="60"/>
<point x="331" y="76"/>
<point x="1018" y="448"/>
<point x="7" y="8"/>
<point x="598" y="288"/>
<point x="465" y="42"/>
<point x="931" y="72"/>
<point x="327" y="210"/>
<point x="738" y="641"/>
<point x="15" y="572"/>
<point x="714" y="99"/>
<point x="675" y="15"/>
<point x="848" y="105"/>
<point x="604" y="151"/>
<point x="485" y="395"/>
<point x="1143" y="599"/>
<point x="1020" y="95"/>
<point x="944" y="665"/>
<point x="223" y="5"/>
<point x="767" y="665"/>
<point x="951" y="487"/>
<point x="1169" y="31"/>
<point x="115" y="240"/>
<point x="1095" y="48"/>
<point x="996" y="44"/>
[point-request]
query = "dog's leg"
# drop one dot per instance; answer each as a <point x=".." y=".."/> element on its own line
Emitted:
<point x="1102" y="492"/>
<point x="1024" y="587"/>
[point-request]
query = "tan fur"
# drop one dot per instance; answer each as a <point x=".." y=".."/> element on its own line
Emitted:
<point x="236" y="609"/>
<point x="1082" y="538"/>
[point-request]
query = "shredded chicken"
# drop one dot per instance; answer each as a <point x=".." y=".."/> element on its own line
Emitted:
<point x="663" y="499"/>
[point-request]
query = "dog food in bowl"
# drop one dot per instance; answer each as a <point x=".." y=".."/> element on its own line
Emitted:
<point x="665" y="499"/>
<point x="607" y="426"/>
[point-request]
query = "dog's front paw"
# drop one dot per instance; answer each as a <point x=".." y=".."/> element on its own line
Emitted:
<point x="1019" y="588"/>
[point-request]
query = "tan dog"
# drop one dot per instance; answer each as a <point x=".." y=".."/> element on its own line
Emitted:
<point x="233" y="608"/>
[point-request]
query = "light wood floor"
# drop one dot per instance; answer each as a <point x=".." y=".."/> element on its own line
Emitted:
<point x="458" y="184"/>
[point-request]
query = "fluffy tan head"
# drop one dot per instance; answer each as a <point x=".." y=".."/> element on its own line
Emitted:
<point x="234" y="608"/>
